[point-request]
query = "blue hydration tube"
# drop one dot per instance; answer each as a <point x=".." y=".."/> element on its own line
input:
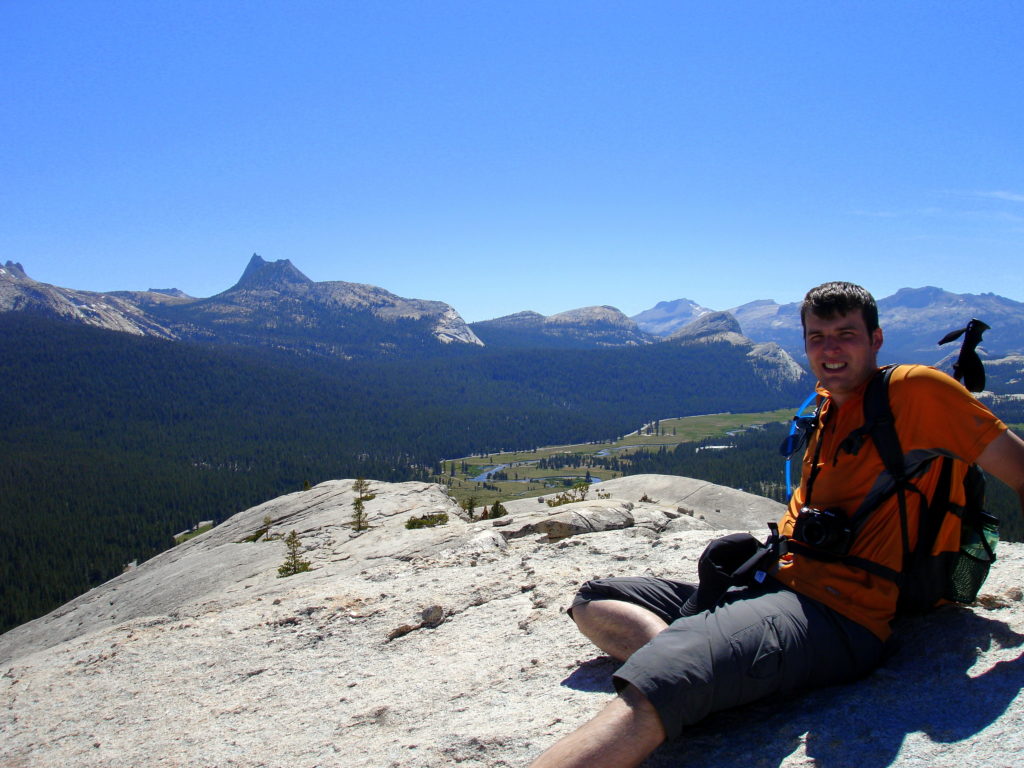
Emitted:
<point x="792" y="430"/>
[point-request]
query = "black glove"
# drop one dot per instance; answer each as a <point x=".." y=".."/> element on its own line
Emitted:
<point x="717" y="568"/>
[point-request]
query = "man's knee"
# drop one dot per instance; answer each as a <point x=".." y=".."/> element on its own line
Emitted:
<point x="601" y="614"/>
<point x="648" y="727"/>
<point x="597" y="615"/>
<point x="616" y="627"/>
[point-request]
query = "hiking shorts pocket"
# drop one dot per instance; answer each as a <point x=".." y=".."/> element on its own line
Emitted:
<point x="767" y="658"/>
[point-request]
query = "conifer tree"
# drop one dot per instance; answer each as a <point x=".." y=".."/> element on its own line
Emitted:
<point x="293" y="563"/>
<point x="359" y="522"/>
<point x="359" y="518"/>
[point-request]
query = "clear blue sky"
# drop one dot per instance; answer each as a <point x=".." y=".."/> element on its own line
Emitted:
<point x="503" y="156"/>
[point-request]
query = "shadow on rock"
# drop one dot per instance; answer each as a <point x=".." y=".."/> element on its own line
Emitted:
<point x="594" y="676"/>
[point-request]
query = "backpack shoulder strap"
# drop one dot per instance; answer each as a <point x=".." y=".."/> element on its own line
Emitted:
<point x="879" y="424"/>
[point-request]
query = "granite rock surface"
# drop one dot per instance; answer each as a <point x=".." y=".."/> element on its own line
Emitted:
<point x="450" y="645"/>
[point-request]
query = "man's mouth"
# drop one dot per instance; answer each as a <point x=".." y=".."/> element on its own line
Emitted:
<point x="833" y="366"/>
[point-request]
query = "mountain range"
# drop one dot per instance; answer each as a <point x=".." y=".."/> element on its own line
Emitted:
<point x="913" y="320"/>
<point x="274" y="305"/>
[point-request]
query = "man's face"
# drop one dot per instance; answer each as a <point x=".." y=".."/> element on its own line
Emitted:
<point x="841" y="352"/>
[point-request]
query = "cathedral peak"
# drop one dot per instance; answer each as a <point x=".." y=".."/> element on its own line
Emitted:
<point x="275" y="275"/>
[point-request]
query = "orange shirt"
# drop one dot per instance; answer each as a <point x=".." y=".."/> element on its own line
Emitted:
<point x="933" y="412"/>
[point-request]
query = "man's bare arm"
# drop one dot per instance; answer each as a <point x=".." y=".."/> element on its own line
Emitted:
<point x="1004" y="458"/>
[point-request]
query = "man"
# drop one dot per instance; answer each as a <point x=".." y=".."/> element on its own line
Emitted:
<point x="813" y="622"/>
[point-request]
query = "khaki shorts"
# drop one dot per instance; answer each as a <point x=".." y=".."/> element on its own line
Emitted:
<point x="761" y="641"/>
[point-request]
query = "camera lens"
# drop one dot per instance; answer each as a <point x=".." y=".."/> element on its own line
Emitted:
<point x="815" y="533"/>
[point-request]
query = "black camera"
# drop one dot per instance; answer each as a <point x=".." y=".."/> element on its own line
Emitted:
<point x="826" y="529"/>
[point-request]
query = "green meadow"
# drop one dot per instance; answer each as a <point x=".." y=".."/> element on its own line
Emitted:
<point x="523" y="474"/>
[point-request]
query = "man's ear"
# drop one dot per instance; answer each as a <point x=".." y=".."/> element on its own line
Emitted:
<point x="876" y="339"/>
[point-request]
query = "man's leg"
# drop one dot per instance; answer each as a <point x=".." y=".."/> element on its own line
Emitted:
<point x="616" y="627"/>
<point x="622" y="734"/>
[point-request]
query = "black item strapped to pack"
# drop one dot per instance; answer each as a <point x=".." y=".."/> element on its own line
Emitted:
<point x="732" y="560"/>
<point x="968" y="365"/>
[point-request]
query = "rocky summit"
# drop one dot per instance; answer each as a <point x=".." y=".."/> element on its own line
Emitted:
<point x="450" y="645"/>
<point x="121" y="312"/>
<point x="666" y="317"/>
<point x="273" y="305"/>
<point x="583" y="328"/>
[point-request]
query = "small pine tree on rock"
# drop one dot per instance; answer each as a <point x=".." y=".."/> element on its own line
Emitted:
<point x="293" y="563"/>
<point x="359" y="522"/>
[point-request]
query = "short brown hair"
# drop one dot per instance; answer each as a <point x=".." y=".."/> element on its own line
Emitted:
<point x="838" y="298"/>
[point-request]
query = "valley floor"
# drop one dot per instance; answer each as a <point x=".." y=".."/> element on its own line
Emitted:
<point x="551" y="470"/>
